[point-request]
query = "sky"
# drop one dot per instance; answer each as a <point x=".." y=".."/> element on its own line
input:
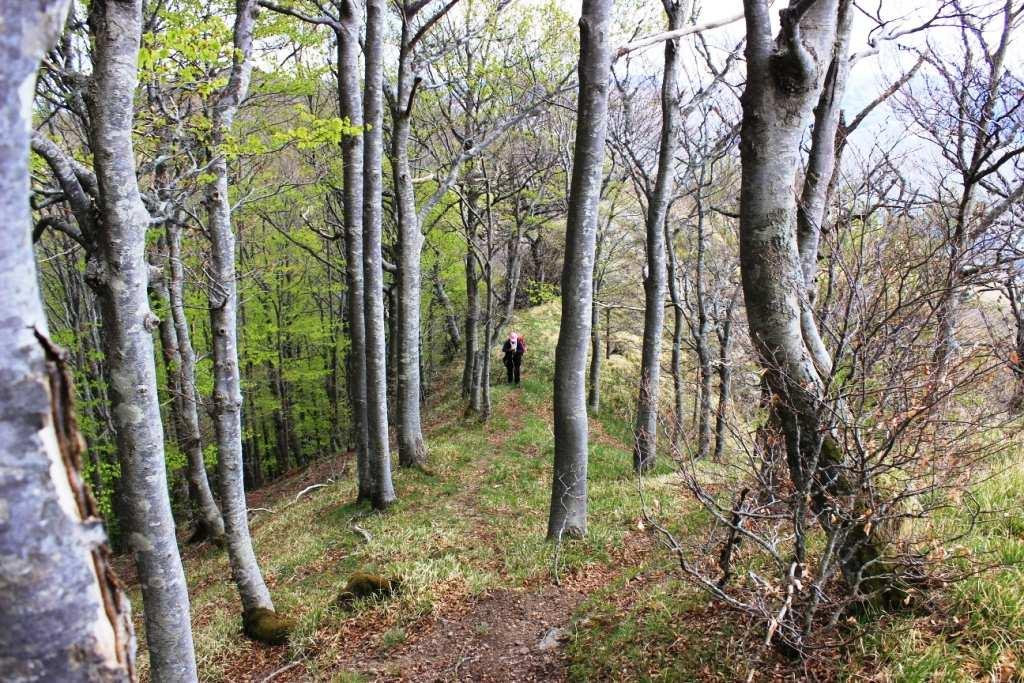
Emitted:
<point x="868" y="77"/>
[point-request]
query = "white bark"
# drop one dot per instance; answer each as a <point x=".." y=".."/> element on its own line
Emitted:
<point x="119" y="274"/>
<point x="568" y="513"/>
<point x="63" y="617"/>
<point x="376" y="351"/>
<point x="223" y="293"/>
<point x="350" y="107"/>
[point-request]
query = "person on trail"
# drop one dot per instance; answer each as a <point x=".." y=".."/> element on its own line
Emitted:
<point x="513" y="348"/>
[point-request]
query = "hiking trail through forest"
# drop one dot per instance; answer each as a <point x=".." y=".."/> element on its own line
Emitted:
<point x="480" y="599"/>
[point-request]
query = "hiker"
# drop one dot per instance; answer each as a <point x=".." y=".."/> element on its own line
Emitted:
<point x="513" y="348"/>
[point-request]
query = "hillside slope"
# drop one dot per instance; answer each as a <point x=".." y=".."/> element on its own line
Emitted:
<point x="484" y="597"/>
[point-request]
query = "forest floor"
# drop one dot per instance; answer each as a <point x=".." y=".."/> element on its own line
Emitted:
<point x="485" y="598"/>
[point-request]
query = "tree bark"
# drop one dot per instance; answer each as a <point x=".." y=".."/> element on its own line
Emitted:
<point x="469" y="372"/>
<point x="453" y="337"/>
<point x="350" y="107"/>
<point x="701" y="341"/>
<point x="724" y="376"/>
<point x="783" y="83"/>
<point x="226" y="408"/>
<point x="568" y="512"/>
<point x="373" y="300"/>
<point x="211" y="524"/>
<point x="119" y="273"/>
<point x="813" y="207"/>
<point x="63" y="616"/>
<point x="677" y="342"/>
<point x="594" y="373"/>
<point x="412" y="450"/>
<point x="645" y="431"/>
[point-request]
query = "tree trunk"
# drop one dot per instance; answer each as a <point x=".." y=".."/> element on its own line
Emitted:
<point x="119" y="274"/>
<point x="813" y="207"/>
<point x="1015" y="296"/>
<point x="451" y="320"/>
<point x="211" y="524"/>
<point x="485" y="354"/>
<point x="724" y="377"/>
<point x="412" y="450"/>
<point x="180" y="490"/>
<point x="568" y="513"/>
<point x="783" y="84"/>
<point x="350" y="108"/>
<point x="469" y="382"/>
<point x="378" y="449"/>
<point x="226" y="408"/>
<point x="594" y="385"/>
<point x="63" y="616"/>
<point x="645" y="431"/>
<point x="701" y="341"/>
<point x="678" y="393"/>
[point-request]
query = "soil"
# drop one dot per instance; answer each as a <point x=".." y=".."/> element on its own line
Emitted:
<point x="505" y="636"/>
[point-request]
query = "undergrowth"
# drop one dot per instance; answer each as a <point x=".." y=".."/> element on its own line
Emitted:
<point x="475" y="522"/>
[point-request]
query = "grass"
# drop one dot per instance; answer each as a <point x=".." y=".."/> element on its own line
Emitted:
<point x="476" y="522"/>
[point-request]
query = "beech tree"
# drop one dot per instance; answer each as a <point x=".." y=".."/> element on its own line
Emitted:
<point x="373" y="184"/>
<point x="223" y="298"/>
<point x="645" y="432"/>
<point x="568" y="511"/>
<point x="64" y="616"/>
<point x="784" y="81"/>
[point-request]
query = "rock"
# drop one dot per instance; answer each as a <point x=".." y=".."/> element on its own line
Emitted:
<point x="552" y="639"/>
<point x="364" y="585"/>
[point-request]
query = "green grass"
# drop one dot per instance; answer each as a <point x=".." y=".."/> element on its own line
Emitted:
<point x="476" y="522"/>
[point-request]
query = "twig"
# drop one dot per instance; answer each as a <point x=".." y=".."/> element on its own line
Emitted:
<point x="362" y="532"/>
<point x="308" y="489"/>
<point x="274" y="674"/>
<point x="725" y="559"/>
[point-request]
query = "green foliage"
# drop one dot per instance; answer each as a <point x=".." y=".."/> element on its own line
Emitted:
<point x="540" y="293"/>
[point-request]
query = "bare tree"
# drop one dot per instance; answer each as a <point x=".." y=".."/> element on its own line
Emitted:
<point x="64" y="616"/>
<point x="969" y="109"/>
<point x="659" y="197"/>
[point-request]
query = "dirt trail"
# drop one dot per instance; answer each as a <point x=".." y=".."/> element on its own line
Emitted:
<point x="502" y="635"/>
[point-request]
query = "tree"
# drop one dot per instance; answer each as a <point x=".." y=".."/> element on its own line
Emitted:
<point x="223" y="298"/>
<point x="645" y="432"/>
<point x="969" y="111"/>
<point x="64" y="616"/>
<point x="783" y="83"/>
<point x="211" y="523"/>
<point x="568" y="510"/>
<point x="121" y="275"/>
<point x="373" y="152"/>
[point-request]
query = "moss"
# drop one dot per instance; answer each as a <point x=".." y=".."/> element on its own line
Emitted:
<point x="365" y="585"/>
<point x="267" y="626"/>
